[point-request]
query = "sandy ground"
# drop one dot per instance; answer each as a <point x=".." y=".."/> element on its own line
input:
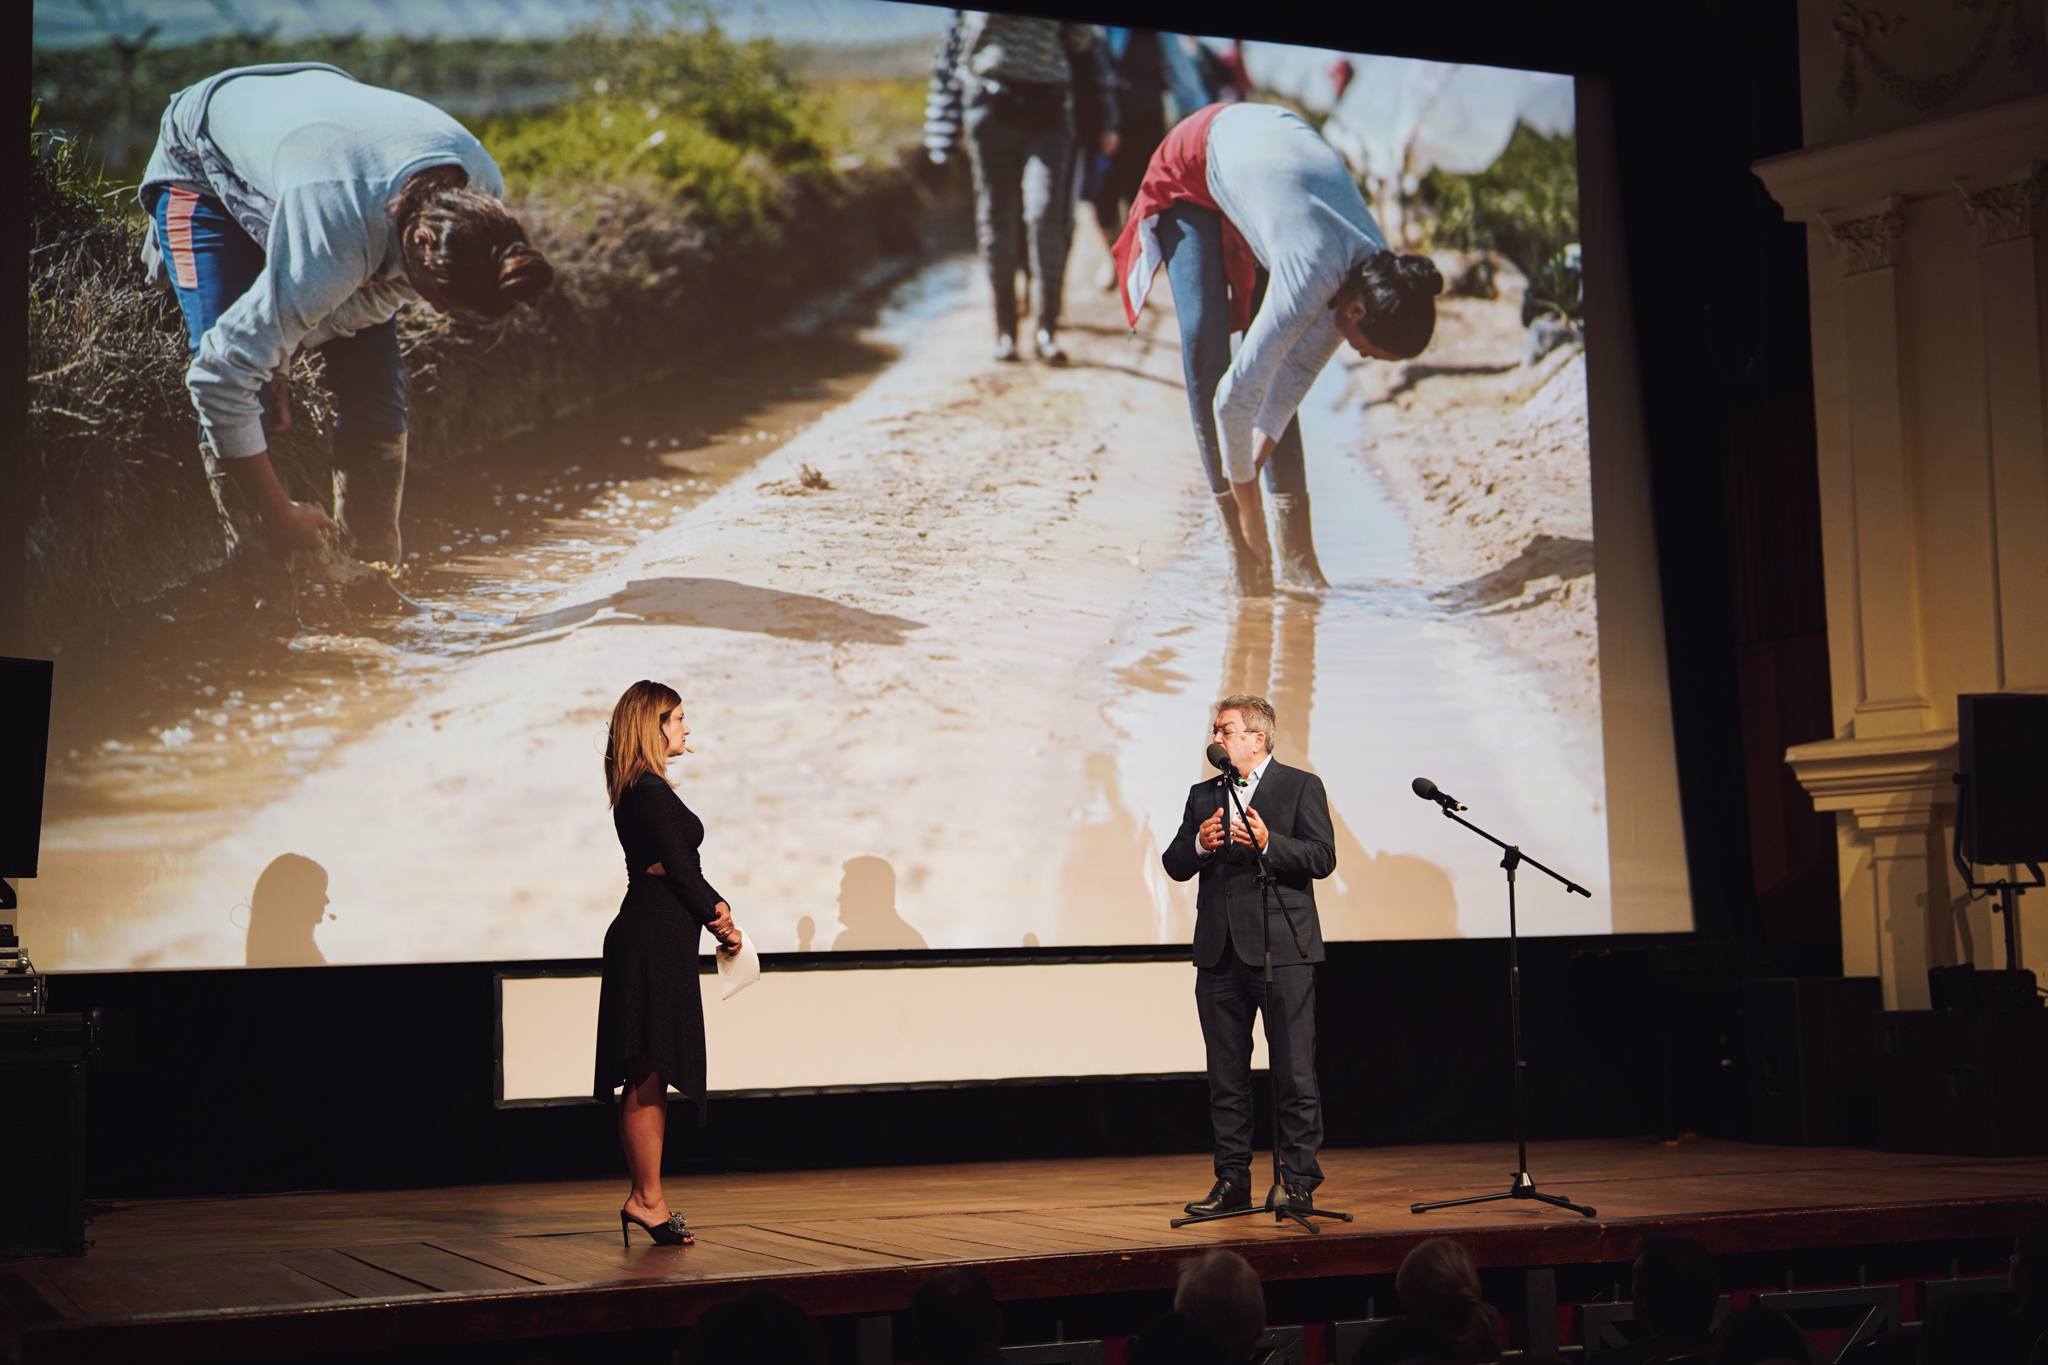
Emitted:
<point x="1488" y="460"/>
<point x="947" y="653"/>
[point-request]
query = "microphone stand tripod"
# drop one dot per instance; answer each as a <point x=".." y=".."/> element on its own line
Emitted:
<point x="1523" y="1185"/>
<point x="1276" y="1198"/>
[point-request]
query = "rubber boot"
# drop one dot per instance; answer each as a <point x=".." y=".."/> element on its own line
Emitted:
<point x="1254" y="579"/>
<point x="1296" y="565"/>
<point x="369" y="486"/>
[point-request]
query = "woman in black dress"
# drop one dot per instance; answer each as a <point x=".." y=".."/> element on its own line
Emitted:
<point x="650" y="1018"/>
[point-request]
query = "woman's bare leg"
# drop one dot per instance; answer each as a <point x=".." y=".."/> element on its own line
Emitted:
<point x="643" y="1119"/>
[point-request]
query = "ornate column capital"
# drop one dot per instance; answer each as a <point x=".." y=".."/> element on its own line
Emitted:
<point x="1893" y="784"/>
<point x="2004" y="208"/>
<point x="1862" y="236"/>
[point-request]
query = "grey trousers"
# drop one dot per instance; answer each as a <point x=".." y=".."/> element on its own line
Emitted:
<point x="1020" y="140"/>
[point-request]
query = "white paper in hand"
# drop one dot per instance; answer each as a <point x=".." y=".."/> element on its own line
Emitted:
<point x="737" y="971"/>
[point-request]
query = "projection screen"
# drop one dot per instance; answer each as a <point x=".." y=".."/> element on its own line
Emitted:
<point x="947" y="628"/>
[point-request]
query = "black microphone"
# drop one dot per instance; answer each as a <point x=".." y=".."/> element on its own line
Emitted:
<point x="1429" y="791"/>
<point x="1219" y="759"/>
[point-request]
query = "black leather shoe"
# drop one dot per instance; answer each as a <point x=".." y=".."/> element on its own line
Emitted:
<point x="1223" y="1197"/>
<point x="1297" y="1197"/>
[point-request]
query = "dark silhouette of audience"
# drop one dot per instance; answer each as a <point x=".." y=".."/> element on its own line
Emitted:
<point x="1220" y="1294"/>
<point x="955" y="1319"/>
<point x="1439" y="1290"/>
<point x="1761" y="1336"/>
<point x="1405" y="1341"/>
<point x="1675" y="1292"/>
<point x="756" y="1329"/>
<point x="2029" y="1285"/>
<point x="1174" y="1340"/>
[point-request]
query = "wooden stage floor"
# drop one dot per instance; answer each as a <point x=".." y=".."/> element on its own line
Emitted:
<point x="224" y="1279"/>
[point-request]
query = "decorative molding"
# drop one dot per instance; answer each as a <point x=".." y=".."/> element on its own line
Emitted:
<point x="2002" y="208"/>
<point x="1859" y="30"/>
<point x="1862" y="237"/>
<point x="1893" y="784"/>
<point x="1919" y="161"/>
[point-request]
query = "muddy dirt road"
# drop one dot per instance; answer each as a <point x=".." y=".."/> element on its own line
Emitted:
<point x="947" y="647"/>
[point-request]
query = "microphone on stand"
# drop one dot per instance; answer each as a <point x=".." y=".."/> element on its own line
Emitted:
<point x="1219" y="759"/>
<point x="1429" y="791"/>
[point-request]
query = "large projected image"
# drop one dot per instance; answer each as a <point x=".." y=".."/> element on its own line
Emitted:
<point x="947" y="623"/>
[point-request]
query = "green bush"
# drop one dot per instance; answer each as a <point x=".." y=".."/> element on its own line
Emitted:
<point x="720" y="127"/>
<point x="1525" y="207"/>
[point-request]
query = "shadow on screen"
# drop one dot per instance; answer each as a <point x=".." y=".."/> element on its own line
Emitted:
<point x="288" y="904"/>
<point x="867" y="907"/>
<point x="1271" y="652"/>
<point x="717" y="604"/>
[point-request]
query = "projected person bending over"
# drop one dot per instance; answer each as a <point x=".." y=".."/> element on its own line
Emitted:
<point x="1263" y="231"/>
<point x="1289" y="817"/>
<point x="650" y="1019"/>
<point x="294" y="208"/>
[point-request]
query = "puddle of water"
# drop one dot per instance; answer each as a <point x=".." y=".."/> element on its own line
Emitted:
<point x="199" y="707"/>
<point x="1374" y="684"/>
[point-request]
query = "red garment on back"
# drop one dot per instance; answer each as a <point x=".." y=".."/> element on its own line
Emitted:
<point x="1179" y="172"/>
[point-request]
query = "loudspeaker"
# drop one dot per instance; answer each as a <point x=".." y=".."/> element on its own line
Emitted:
<point x="42" y="1135"/>
<point x="24" y="754"/>
<point x="1962" y="1084"/>
<point x="2002" y="752"/>
<point x="1806" y="1060"/>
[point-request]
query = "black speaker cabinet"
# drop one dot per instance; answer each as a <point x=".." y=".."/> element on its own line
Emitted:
<point x="2002" y="750"/>
<point x="1806" y="1060"/>
<point x="42" y="1135"/>
<point x="1962" y="1084"/>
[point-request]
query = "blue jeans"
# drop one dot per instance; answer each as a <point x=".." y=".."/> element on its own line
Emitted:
<point x="1021" y="143"/>
<point x="1191" y="240"/>
<point x="212" y="262"/>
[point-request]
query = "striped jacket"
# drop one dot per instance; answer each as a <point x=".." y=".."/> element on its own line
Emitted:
<point x="983" y="52"/>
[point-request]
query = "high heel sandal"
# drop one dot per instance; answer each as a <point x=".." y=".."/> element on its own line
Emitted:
<point x="673" y="1233"/>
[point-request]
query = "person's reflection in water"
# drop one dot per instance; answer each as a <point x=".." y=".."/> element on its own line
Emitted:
<point x="867" y="907"/>
<point x="806" y="933"/>
<point x="1271" y="652"/>
<point x="288" y="904"/>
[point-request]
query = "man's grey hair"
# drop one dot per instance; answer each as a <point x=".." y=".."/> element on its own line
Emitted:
<point x="1220" y="1294"/>
<point x="1256" y="714"/>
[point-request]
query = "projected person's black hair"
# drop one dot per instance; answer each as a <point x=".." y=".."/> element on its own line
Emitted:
<point x="1390" y="302"/>
<point x="650" y="1019"/>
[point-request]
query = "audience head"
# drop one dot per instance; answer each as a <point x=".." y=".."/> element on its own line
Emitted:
<point x="956" y="1317"/>
<point x="2030" y="1268"/>
<point x="1760" y="1336"/>
<point x="1404" y="1341"/>
<point x="1675" y="1289"/>
<point x="1439" y="1288"/>
<point x="1220" y="1294"/>
<point x="756" y="1329"/>
<point x="1174" y="1340"/>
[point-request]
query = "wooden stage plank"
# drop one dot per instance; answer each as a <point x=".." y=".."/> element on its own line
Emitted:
<point x="345" y="1273"/>
<point x="818" y="1255"/>
<point x="194" y="1280"/>
<point x="432" y="1267"/>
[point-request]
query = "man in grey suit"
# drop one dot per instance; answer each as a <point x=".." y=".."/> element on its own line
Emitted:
<point x="1289" y="819"/>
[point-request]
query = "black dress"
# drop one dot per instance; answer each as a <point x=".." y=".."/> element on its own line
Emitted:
<point x="650" y="1006"/>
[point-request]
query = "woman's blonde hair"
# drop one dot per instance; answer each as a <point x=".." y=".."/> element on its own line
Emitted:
<point x="634" y="744"/>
